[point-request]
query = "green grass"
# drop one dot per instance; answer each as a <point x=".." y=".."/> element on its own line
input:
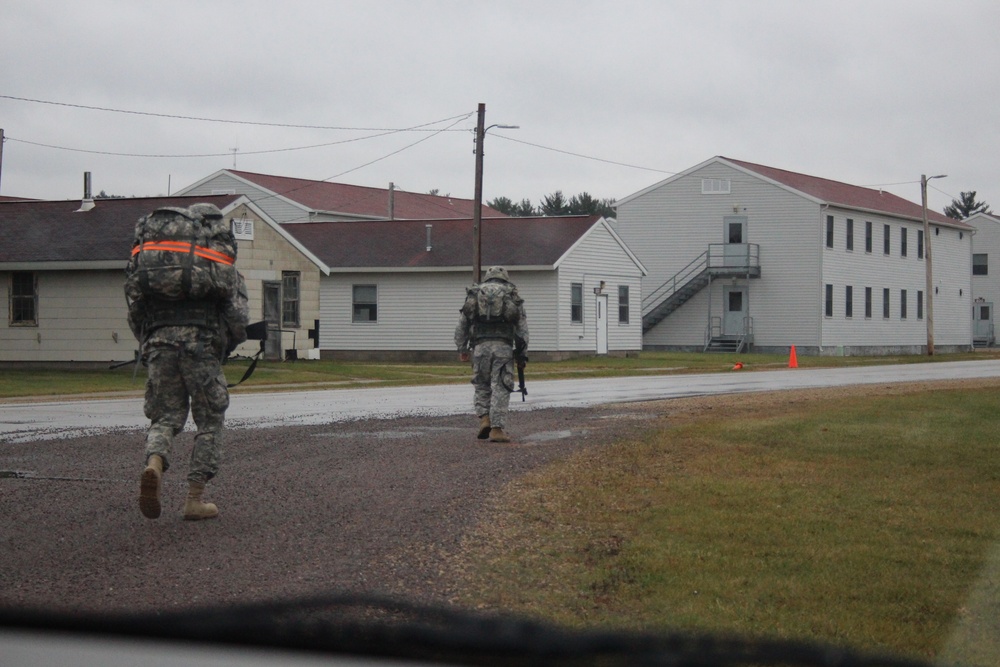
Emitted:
<point x="303" y="374"/>
<point x="862" y="521"/>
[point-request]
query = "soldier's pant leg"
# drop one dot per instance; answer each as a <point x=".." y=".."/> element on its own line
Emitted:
<point x="482" y="373"/>
<point x="502" y="383"/>
<point x="166" y="403"/>
<point x="206" y="385"/>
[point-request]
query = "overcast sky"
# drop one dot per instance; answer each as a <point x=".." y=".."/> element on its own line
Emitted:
<point x="610" y="97"/>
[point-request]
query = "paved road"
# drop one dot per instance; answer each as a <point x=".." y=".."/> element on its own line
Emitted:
<point x="23" y="422"/>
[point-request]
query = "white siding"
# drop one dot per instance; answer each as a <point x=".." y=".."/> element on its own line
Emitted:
<point x="986" y="240"/>
<point x="80" y="315"/>
<point x="599" y="257"/>
<point x="672" y="225"/>
<point x="952" y="303"/>
<point x="419" y="311"/>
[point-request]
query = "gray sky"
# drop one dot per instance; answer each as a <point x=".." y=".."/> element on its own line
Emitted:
<point x="610" y="97"/>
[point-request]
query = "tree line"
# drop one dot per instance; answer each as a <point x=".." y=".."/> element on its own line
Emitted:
<point x="554" y="204"/>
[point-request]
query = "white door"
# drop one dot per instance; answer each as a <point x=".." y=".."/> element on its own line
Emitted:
<point x="601" y="308"/>
<point x="735" y="305"/>
<point x="735" y="234"/>
<point x="982" y="321"/>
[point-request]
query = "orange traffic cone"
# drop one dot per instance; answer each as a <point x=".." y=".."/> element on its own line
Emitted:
<point x="793" y="361"/>
<point x="738" y="366"/>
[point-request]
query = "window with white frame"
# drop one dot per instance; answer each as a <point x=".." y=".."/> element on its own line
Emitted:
<point x="576" y="302"/>
<point x="902" y="304"/>
<point x="23" y="299"/>
<point x="868" y="303"/>
<point x="829" y="231"/>
<point x="623" y="304"/>
<point x="980" y="264"/>
<point x="716" y="186"/>
<point x="290" y="298"/>
<point x="868" y="237"/>
<point x="828" y="300"/>
<point x="364" y="303"/>
<point x="849" y="302"/>
<point x="850" y="234"/>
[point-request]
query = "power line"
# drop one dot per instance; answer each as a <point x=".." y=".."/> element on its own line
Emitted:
<point x="415" y="128"/>
<point x="585" y="157"/>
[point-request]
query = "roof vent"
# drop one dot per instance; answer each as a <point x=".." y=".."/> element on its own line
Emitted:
<point x="429" y="227"/>
<point x="88" y="201"/>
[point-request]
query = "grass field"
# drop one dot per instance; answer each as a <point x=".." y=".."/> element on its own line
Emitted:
<point x="277" y="376"/>
<point x="871" y="521"/>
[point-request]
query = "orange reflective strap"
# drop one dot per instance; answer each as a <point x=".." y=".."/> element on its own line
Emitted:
<point x="182" y="246"/>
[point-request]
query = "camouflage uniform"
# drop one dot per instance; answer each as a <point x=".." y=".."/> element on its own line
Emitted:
<point x="493" y="355"/>
<point x="183" y="346"/>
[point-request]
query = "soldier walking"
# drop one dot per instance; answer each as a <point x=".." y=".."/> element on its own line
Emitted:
<point x="183" y="343"/>
<point x="493" y="327"/>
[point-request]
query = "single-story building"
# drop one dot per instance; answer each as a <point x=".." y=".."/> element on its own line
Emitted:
<point x="393" y="289"/>
<point x="62" y="271"/>
<point x="742" y="255"/>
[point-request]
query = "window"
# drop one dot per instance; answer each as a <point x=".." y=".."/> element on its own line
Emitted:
<point x="902" y="304"/>
<point x="850" y="234"/>
<point x="365" y="299"/>
<point x="829" y="301"/>
<point x="902" y="242"/>
<point x="23" y="298"/>
<point x="829" y="231"/>
<point x="576" y="302"/>
<point x="920" y="244"/>
<point x="920" y="304"/>
<point x="980" y="264"/>
<point x="868" y="237"/>
<point x="885" y="239"/>
<point x="715" y="186"/>
<point x="623" y="304"/>
<point x="868" y="303"/>
<point x="885" y="303"/>
<point x="290" y="298"/>
<point x="849" y="301"/>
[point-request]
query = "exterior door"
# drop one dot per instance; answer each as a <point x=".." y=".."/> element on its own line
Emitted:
<point x="272" y="315"/>
<point x="735" y="305"/>
<point x="735" y="234"/>
<point x="982" y="321"/>
<point x="602" y="323"/>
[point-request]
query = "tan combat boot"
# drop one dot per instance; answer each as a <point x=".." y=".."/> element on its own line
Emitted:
<point x="194" y="508"/>
<point x="149" y="487"/>
<point x="497" y="435"/>
<point x="484" y="427"/>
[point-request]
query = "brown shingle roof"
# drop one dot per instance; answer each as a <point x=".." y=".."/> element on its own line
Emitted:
<point x="403" y="243"/>
<point x="843" y="194"/>
<point x="365" y="201"/>
<point x="52" y="231"/>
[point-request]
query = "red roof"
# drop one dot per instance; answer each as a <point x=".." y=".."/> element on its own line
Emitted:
<point x="850" y="196"/>
<point x="53" y="231"/>
<point x="365" y="201"/>
<point x="403" y="243"/>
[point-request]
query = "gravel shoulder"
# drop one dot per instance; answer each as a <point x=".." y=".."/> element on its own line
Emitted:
<point x="371" y="506"/>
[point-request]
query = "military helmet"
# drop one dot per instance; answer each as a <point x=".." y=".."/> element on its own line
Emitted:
<point x="496" y="273"/>
<point x="205" y="211"/>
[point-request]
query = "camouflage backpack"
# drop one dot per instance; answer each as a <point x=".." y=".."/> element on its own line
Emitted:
<point x="492" y="302"/>
<point x="182" y="254"/>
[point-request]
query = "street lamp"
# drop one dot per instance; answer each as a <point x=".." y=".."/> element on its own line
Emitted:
<point x="928" y="268"/>
<point x="477" y="213"/>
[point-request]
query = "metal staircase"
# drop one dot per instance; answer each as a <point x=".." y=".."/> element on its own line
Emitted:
<point x="721" y="260"/>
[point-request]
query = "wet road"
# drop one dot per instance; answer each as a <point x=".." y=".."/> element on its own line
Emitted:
<point x="25" y="422"/>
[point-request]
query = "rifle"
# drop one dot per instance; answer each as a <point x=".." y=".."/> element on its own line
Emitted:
<point x="521" y="360"/>
<point x="134" y="360"/>
<point x="255" y="331"/>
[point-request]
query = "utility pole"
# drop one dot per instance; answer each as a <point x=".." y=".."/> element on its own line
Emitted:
<point x="928" y="267"/>
<point x="477" y="212"/>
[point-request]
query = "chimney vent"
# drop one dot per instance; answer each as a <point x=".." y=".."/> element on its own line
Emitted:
<point x="429" y="227"/>
<point x="88" y="201"/>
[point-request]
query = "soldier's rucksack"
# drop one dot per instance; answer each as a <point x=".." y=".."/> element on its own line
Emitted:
<point x="493" y="301"/>
<point x="180" y="255"/>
